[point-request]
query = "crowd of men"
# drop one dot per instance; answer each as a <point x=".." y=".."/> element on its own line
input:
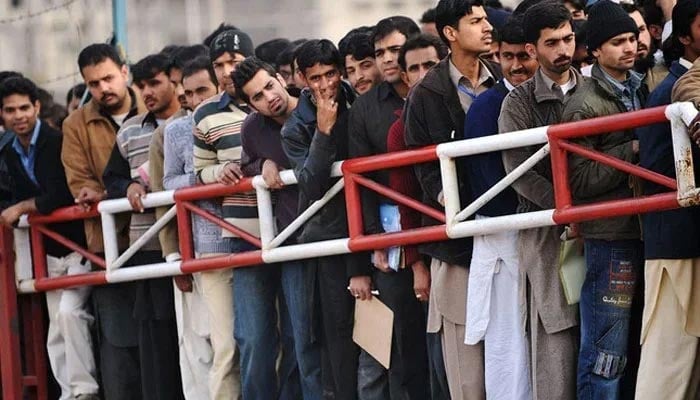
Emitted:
<point x="474" y="318"/>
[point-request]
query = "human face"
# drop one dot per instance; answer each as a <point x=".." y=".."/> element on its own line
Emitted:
<point x="157" y="93"/>
<point x="644" y="40"/>
<point x="473" y="33"/>
<point x="692" y="42"/>
<point x="324" y="79"/>
<point x="198" y="87"/>
<point x="418" y="62"/>
<point x="20" y="114"/>
<point x="176" y="79"/>
<point x="554" y="49"/>
<point x="362" y="74"/>
<point x="618" y="54"/>
<point x="516" y="63"/>
<point x="266" y="94"/>
<point x="74" y="104"/>
<point x="494" y="54"/>
<point x="429" y="29"/>
<point x="106" y="82"/>
<point x="299" y="79"/>
<point x="386" y="52"/>
<point x="223" y="67"/>
<point x="575" y="12"/>
<point x="287" y="74"/>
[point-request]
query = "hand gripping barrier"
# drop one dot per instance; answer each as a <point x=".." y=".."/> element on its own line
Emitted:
<point x="455" y="223"/>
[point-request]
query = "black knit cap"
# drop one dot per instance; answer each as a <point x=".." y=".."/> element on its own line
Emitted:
<point x="605" y="21"/>
<point x="231" y="41"/>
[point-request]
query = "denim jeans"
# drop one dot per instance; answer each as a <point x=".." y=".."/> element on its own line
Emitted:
<point x="613" y="271"/>
<point x="256" y="291"/>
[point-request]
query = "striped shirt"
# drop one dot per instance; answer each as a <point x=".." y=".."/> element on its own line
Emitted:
<point x="217" y="142"/>
<point x="133" y="141"/>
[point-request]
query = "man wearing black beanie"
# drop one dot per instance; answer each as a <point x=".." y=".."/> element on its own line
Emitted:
<point x="612" y="246"/>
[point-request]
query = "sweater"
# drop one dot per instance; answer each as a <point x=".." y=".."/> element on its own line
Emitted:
<point x="178" y="172"/>
<point x="217" y="142"/>
<point x="485" y="170"/>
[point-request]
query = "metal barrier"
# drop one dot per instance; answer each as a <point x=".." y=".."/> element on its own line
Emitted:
<point x="270" y="244"/>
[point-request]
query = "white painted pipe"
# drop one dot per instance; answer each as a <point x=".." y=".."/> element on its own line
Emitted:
<point x="487" y="144"/>
<point x="155" y="199"/>
<point x="307" y="250"/>
<point x="515" y="222"/>
<point x="150" y="233"/>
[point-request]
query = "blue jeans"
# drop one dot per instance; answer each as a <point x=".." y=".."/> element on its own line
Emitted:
<point x="256" y="292"/>
<point x="613" y="271"/>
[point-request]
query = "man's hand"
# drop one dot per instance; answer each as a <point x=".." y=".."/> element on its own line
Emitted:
<point x="361" y="287"/>
<point x="10" y="215"/>
<point x="635" y="146"/>
<point x="183" y="282"/>
<point x="87" y="197"/>
<point x="421" y="281"/>
<point x="136" y="193"/>
<point x="271" y="175"/>
<point x="694" y="130"/>
<point x="381" y="262"/>
<point x="230" y="174"/>
<point x="666" y="7"/>
<point x="326" y="111"/>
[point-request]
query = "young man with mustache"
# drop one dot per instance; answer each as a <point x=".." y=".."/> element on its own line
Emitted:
<point x="434" y="114"/>
<point x="539" y="101"/>
<point x="89" y="134"/>
<point x="494" y="264"/>
<point x="370" y="119"/>
<point x="360" y="65"/>
<point x="126" y="175"/>
<point x="612" y="246"/>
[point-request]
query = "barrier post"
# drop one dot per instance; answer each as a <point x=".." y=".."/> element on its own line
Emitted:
<point x="10" y="358"/>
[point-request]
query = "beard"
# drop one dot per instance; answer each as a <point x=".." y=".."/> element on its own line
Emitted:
<point x="642" y="65"/>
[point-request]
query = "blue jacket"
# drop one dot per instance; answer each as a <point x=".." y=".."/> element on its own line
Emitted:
<point x="673" y="234"/>
<point x="485" y="170"/>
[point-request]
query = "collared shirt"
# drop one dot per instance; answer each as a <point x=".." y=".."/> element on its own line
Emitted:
<point x="687" y="64"/>
<point x="29" y="157"/>
<point x="626" y="90"/>
<point x="554" y="87"/>
<point x="508" y="85"/>
<point x="465" y="90"/>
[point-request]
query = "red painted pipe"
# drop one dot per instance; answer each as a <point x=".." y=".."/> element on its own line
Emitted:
<point x="616" y="208"/>
<point x="404" y="238"/>
<point x="238" y="260"/>
<point x="610" y="123"/>
<point x="202" y="192"/>
<point x="38" y="254"/>
<point x="400" y="198"/>
<point x="71" y="213"/>
<point x="560" y="174"/>
<point x="218" y="221"/>
<point x="353" y="206"/>
<point x="10" y="356"/>
<point x="67" y="281"/>
<point x="184" y="228"/>
<point x="95" y="260"/>
<point x="390" y="160"/>
<point x="621" y="165"/>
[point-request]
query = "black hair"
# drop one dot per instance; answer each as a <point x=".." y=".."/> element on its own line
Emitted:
<point x="580" y="29"/>
<point x="54" y="115"/>
<point x="185" y="54"/>
<point x="524" y="6"/>
<point x="512" y="32"/>
<point x="246" y="71"/>
<point x="449" y="12"/>
<point x="97" y="53"/>
<point x="9" y="74"/>
<point x="76" y="91"/>
<point x="150" y="66"/>
<point x="268" y="51"/>
<point x="223" y="27"/>
<point x="198" y="64"/>
<point x="631" y="7"/>
<point x="495" y="4"/>
<point x="404" y="25"/>
<point x="428" y="16"/>
<point x="170" y="50"/>
<point x="547" y="14"/>
<point x="577" y="4"/>
<point x="357" y="43"/>
<point x="18" y="85"/>
<point x="286" y="57"/>
<point x="684" y="13"/>
<point x="317" y="51"/>
<point x="421" y="42"/>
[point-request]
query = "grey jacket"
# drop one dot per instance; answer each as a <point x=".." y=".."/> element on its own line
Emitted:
<point x="590" y="180"/>
<point x="530" y="105"/>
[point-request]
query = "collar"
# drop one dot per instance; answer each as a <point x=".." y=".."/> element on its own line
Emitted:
<point x="544" y="86"/>
<point x="551" y="85"/>
<point x="386" y="90"/>
<point x="32" y="143"/>
<point x="508" y="85"/>
<point x="687" y="64"/>
<point x="149" y="118"/>
<point x="95" y="112"/>
<point x="617" y="88"/>
<point x="224" y="101"/>
<point x="456" y="76"/>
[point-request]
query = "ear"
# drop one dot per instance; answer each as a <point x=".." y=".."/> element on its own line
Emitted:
<point x="596" y="53"/>
<point x="124" y="70"/>
<point x="37" y="105"/>
<point x="531" y="51"/>
<point x="685" y="40"/>
<point x="450" y="33"/>
<point x="404" y="78"/>
<point x="282" y="81"/>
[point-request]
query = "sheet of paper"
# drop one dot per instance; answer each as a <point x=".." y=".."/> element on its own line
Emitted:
<point x="374" y="324"/>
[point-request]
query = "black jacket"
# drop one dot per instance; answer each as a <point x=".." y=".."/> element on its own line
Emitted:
<point x="312" y="154"/>
<point x="434" y="115"/>
<point x="52" y="190"/>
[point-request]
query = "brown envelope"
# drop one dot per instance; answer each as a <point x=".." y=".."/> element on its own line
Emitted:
<point x="374" y="324"/>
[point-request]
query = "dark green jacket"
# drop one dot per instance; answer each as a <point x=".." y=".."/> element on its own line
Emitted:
<point x="592" y="181"/>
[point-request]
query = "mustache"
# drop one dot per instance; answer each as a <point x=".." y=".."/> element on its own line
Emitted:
<point x="518" y="71"/>
<point x="106" y="94"/>
<point x="642" y="47"/>
<point x="562" y="59"/>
